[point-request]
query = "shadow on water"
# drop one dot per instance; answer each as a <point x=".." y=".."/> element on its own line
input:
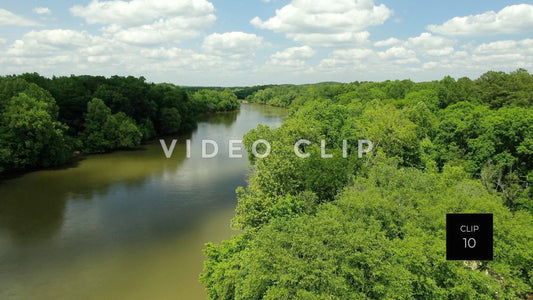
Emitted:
<point x="26" y="219"/>
<point x="75" y="162"/>
<point x="32" y="205"/>
<point x="73" y="231"/>
<point x="225" y="118"/>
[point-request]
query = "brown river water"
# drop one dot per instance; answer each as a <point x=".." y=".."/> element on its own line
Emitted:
<point x="124" y="225"/>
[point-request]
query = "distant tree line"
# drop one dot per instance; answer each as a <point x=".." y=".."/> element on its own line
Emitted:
<point x="43" y="121"/>
<point x="240" y="92"/>
<point x="374" y="228"/>
<point x="243" y="92"/>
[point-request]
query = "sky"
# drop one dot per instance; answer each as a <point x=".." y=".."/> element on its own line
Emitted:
<point x="254" y="42"/>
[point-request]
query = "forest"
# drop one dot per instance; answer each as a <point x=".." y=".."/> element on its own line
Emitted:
<point x="374" y="228"/>
<point x="45" y="121"/>
<point x="315" y="228"/>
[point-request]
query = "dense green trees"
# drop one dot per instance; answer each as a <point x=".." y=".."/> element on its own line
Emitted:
<point x="326" y="228"/>
<point x="213" y="100"/>
<point x="483" y="125"/>
<point x="30" y="135"/>
<point x="243" y="92"/>
<point x="105" y="131"/>
<point x="44" y="120"/>
<point x="382" y="238"/>
<point x="348" y="228"/>
<point x="499" y="89"/>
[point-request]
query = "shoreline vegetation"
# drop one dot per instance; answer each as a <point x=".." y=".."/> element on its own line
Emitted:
<point x="53" y="122"/>
<point x="314" y="228"/>
<point x="374" y="228"/>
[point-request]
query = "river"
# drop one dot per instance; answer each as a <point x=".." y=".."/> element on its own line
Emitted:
<point x="124" y="225"/>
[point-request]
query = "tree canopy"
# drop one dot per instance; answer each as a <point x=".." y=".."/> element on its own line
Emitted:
<point x="44" y="120"/>
<point x="374" y="228"/>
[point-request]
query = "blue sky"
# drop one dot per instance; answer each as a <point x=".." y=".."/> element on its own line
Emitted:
<point x="248" y="42"/>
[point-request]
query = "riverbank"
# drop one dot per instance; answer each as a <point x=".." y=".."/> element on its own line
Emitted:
<point x="78" y="156"/>
<point x="125" y="224"/>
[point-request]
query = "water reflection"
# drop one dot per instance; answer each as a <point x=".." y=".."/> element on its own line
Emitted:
<point x="226" y="118"/>
<point x="61" y="223"/>
<point x="23" y="218"/>
<point x="33" y="205"/>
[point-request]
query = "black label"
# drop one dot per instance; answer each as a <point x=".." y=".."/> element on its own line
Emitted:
<point x="469" y="237"/>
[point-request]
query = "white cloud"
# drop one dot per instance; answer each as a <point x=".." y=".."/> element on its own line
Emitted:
<point x="139" y="12"/>
<point x="366" y="60"/>
<point x="326" y="23"/>
<point x="164" y="30"/>
<point x="42" y="10"/>
<point x="8" y="18"/>
<point x="428" y="44"/>
<point x="295" y="53"/>
<point x="333" y="39"/>
<point x="232" y="43"/>
<point x="140" y="37"/>
<point x="388" y="42"/>
<point x="398" y="55"/>
<point x="430" y="65"/>
<point x="505" y="55"/>
<point x="149" y="22"/>
<point x="54" y="42"/>
<point x="505" y="46"/>
<point x="351" y="55"/>
<point x="418" y="58"/>
<point x="428" y="41"/>
<point x="172" y="58"/>
<point x="511" y="19"/>
<point x="293" y="57"/>
<point x="62" y="52"/>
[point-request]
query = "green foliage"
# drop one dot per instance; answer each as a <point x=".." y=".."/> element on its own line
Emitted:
<point x="96" y="125"/>
<point x="349" y="228"/>
<point x="113" y="98"/>
<point x="173" y="101"/>
<point x="212" y="100"/>
<point x="485" y="123"/>
<point x="104" y="131"/>
<point x="30" y="136"/>
<point x="128" y="134"/>
<point x="147" y="129"/>
<point x="170" y="120"/>
<point x="243" y="92"/>
<point x="494" y="141"/>
<point x="382" y="238"/>
<point x="276" y="95"/>
<point x="498" y="89"/>
<point x="130" y="108"/>
<point x="391" y="131"/>
<point x="427" y="96"/>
